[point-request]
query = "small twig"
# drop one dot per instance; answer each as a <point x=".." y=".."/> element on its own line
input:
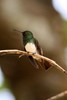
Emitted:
<point x="58" y="96"/>
<point x="19" y="52"/>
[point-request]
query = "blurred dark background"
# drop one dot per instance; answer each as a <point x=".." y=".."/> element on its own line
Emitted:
<point x="48" y="26"/>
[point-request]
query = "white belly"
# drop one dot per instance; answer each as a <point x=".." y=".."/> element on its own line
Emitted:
<point x="30" y="47"/>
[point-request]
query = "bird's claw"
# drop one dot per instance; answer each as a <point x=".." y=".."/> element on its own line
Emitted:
<point x="20" y="56"/>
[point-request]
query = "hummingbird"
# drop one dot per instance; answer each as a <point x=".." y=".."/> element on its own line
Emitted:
<point x="31" y="45"/>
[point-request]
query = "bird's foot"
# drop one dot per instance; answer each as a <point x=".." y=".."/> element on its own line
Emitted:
<point x="20" y="56"/>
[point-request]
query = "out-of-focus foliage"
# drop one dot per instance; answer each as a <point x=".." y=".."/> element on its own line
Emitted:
<point x="5" y="93"/>
<point x="65" y="31"/>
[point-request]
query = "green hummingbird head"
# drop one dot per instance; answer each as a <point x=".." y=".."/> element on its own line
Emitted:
<point x="27" y="34"/>
<point x="27" y="37"/>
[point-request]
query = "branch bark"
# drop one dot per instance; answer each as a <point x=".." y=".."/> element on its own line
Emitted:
<point x="58" y="96"/>
<point x="36" y="56"/>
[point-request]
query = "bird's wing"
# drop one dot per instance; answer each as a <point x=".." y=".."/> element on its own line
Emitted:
<point x="44" y="64"/>
<point x="38" y="47"/>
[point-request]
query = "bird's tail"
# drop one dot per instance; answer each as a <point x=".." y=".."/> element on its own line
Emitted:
<point x="40" y="64"/>
<point x="34" y="62"/>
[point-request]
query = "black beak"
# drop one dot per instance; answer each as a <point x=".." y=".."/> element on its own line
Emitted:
<point x="17" y="30"/>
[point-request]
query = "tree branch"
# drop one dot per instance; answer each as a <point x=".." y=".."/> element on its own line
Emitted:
<point x="58" y="96"/>
<point x="23" y="53"/>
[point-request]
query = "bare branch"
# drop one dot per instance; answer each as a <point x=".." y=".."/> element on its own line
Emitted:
<point x="58" y="96"/>
<point x="36" y="56"/>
